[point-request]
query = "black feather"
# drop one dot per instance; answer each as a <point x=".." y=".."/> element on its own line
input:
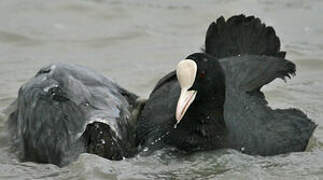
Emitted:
<point x="241" y="35"/>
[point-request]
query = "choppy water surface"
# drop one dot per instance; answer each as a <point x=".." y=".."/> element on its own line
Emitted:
<point x="135" y="42"/>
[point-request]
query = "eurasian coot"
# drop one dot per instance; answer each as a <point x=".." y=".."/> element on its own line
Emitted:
<point x="215" y="101"/>
<point x="65" y="110"/>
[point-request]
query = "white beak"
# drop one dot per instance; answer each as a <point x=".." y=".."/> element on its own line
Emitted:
<point x="186" y="73"/>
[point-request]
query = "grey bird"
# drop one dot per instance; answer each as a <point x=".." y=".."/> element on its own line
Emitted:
<point x="65" y="110"/>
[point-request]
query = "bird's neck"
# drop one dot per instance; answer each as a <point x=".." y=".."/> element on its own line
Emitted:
<point x="201" y="128"/>
<point x="207" y="111"/>
<point x="208" y="115"/>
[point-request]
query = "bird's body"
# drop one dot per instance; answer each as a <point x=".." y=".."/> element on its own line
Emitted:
<point x="253" y="126"/>
<point x="65" y="110"/>
<point x="249" y="56"/>
<point x="68" y="109"/>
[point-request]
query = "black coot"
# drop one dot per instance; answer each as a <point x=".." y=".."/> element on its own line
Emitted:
<point x="215" y="100"/>
<point x="65" y="110"/>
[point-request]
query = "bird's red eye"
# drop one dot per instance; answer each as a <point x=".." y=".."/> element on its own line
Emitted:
<point x="202" y="74"/>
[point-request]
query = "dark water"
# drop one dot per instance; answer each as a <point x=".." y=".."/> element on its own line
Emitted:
<point x="135" y="42"/>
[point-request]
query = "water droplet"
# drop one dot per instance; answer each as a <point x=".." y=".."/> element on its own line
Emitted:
<point x="242" y="149"/>
<point x="102" y="141"/>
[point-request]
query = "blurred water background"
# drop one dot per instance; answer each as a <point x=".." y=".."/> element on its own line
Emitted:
<point x="136" y="42"/>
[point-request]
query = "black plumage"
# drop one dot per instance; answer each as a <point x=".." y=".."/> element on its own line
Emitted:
<point x="245" y="54"/>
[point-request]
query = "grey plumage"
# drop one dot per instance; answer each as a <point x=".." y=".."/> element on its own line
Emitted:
<point x="53" y="110"/>
<point x="253" y="126"/>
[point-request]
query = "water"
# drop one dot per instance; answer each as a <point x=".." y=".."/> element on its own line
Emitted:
<point x="135" y="42"/>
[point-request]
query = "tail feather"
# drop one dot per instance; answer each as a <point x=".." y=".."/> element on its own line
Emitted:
<point x="241" y="35"/>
